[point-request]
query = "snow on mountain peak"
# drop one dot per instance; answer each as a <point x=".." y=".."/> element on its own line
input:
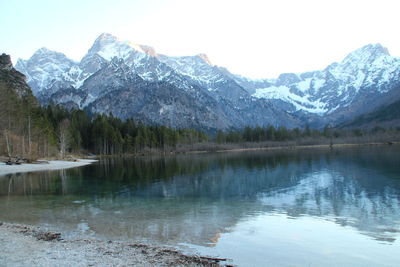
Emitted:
<point x="44" y="55"/>
<point x="375" y="49"/>
<point x="366" y="54"/>
<point x="43" y="50"/>
<point x="370" y="60"/>
<point x="105" y="36"/>
<point x="369" y="69"/>
<point x="336" y="86"/>
<point x="108" y="46"/>
<point x="45" y="68"/>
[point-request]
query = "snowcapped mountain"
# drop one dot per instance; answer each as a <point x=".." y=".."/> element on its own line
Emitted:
<point x="369" y="70"/>
<point x="47" y="70"/>
<point x="190" y="91"/>
<point x="131" y="80"/>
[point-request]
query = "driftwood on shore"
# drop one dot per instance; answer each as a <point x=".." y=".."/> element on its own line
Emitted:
<point x="13" y="160"/>
<point x="214" y="259"/>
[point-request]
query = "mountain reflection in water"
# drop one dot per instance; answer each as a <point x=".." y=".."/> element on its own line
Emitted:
<point x="194" y="199"/>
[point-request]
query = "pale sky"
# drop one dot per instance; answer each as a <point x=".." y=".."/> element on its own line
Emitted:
<point x="253" y="38"/>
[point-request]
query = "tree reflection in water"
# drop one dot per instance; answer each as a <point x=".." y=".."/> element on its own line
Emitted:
<point x="195" y="198"/>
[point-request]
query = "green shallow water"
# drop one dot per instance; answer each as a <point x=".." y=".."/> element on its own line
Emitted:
<point x="337" y="207"/>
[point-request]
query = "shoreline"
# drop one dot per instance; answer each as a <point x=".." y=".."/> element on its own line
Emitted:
<point x="219" y="149"/>
<point x="24" y="245"/>
<point x="289" y="147"/>
<point x="63" y="164"/>
<point x="45" y="166"/>
<point x="309" y="146"/>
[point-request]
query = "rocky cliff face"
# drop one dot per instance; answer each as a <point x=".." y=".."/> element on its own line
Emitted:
<point x="132" y="80"/>
<point x="14" y="80"/>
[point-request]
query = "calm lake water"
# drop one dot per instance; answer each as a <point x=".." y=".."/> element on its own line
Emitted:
<point x="337" y="207"/>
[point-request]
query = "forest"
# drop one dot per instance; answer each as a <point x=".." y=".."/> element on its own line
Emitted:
<point x="30" y="131"/>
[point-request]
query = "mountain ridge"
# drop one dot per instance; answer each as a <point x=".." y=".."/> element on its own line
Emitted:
<point x="311" y="98"/>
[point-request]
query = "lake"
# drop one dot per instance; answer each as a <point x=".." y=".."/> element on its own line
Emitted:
<point x="318" y="207"/>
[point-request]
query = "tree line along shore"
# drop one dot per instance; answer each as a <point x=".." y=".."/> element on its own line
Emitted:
<point x="30" y="131"/>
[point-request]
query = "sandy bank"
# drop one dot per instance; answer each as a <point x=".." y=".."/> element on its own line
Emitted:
<point x="48" y="165"/>
<point x="22" y="245"/>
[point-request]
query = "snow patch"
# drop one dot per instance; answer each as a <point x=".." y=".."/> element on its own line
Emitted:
<point x="304" y="85"/>
<point x="318" y="83"/>
<point x="358" y="82"/>
<point x="111" y="50"/>
<point x="283" y="93"/>
<point x="165" y="109"/>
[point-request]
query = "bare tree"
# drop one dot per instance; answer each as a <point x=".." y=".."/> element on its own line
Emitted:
<point x="7" y="137"/>
<point x="29" y="136"/>
<point x="64" y="137"/>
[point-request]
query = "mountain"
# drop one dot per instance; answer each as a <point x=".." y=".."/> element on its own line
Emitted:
<point x="386" y="116"/>
<point x="364" y="80"/>
<point x="13" y="81"/>
<point x="131" y="80"/>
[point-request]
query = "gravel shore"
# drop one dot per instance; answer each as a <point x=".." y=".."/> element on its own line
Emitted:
<point x="22" y="245"/>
